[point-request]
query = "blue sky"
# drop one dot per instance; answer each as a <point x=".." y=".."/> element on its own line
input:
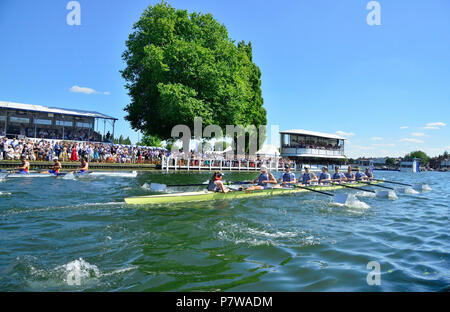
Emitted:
<point x="323" y="67"/>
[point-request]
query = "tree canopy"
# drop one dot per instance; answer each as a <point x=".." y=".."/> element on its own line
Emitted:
<point x="150" y="140"/>
<point x="390" y="161"/>
<point x="122" y="140"/>
<point x="181" y="66"/>
<point x="424" y="158"/>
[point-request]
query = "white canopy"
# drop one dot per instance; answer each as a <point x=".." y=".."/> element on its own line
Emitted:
<point x="313" y="133"/>
<point x="228" y="149"/>
<point x="268" y="150"/>
<point x="54" y="110"/>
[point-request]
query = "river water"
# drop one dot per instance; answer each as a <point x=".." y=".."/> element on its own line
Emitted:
<point x="79" y="235"/>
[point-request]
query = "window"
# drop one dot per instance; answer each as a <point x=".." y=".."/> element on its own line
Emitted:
<point x="64" y="123"/>
<point x="84" y="125"/>
<point x="2" y="118"/>
<point x="19" y="119"/>
<point x="43" y="122"/>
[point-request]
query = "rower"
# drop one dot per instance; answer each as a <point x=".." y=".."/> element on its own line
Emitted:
<point x="369" y="174"/>
<point x="308" y="177"/>
<point x="360" y="176"/>
<point x="324" y="176"/>
<point x="25" y="167"/>
<point x="216" y="183"/>
<point x="84" y="166"/>
<point x="56" y="167"/>
<point x="349" y="176"/>
<point x="263" y="180"/>
<point x="338" y="176"/>
<point x="288" y="178"/>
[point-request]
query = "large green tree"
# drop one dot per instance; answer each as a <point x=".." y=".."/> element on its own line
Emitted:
<point x="182" y="65"/>
<point x="424" y="158"/>
<point x="150" y="140"/>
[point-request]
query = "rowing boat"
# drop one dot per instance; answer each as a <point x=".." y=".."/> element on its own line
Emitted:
<point x="208" y="196"/>
<point x="90" y="174"/>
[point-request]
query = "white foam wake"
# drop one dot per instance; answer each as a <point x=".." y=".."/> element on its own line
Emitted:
<point x="79" y="272"/>
<point x="351" y="201"/>
<point x="407" y="190"/>
<point x="387" y="194"/>
<point x="114" y="174"/>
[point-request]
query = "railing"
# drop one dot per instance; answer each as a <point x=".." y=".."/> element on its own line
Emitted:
<point x="292" y="151"/>
<point x="169" y="163"/>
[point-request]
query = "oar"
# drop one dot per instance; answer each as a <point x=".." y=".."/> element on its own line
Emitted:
<point x="356" y="188"/>
<point x="313" y="190"/>
<point x="237" y="183"/>
<point x="385" y="187"/>
<point x="162" y="187"/>
<point x="338" y="198"/>
<point x="392" y="182"/>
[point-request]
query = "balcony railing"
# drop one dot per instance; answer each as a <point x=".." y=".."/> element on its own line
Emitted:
<point x="292" y="151"/>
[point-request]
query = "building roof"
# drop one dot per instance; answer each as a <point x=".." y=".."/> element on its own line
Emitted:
<point x="313" y="133"/>
<point x="54" y="110"/>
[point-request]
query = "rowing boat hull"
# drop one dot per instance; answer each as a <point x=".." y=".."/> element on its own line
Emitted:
<point x="90" y="174"/>
<point x="208" y="196"/>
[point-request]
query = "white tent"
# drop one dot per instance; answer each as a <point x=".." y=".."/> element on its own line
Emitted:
<point x="228" y="149"/>
<point x="268" y="150"/>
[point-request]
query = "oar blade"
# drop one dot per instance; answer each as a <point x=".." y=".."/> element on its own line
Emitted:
<point x="350" y="201"/>
<point x="422" y="187"/>
<point x="340" y="198"/>
<point x="69" y="176"/>
<point x="386" y="194"/>
<point x="406" y="190"/>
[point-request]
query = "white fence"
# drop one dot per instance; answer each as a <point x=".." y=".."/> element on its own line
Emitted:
<point x="169" y="163"/>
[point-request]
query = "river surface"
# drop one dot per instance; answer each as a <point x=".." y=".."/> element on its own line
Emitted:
<point x="79" y="235"/>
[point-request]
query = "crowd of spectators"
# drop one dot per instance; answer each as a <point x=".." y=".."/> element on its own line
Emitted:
<point x="314" y="145"/>
<point x="46" y="150"/>
<point x="58" y="134"/>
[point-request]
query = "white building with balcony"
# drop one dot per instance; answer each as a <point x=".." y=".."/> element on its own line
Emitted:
<point x="304" y="146"/>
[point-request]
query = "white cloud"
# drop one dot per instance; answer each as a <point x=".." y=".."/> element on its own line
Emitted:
<point x="431" y="128"/>
<point x="418" y="134"/>
<point x="363" y="147"/>
<point x="436" y="124"/>
<point x="345" y="134"/>
<point x="410" y="140"/>
<point x="377" y="139"/>
<point x="84" y="90"/>
<point x="384" y="145"/>
<point x="404" y="127"/>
